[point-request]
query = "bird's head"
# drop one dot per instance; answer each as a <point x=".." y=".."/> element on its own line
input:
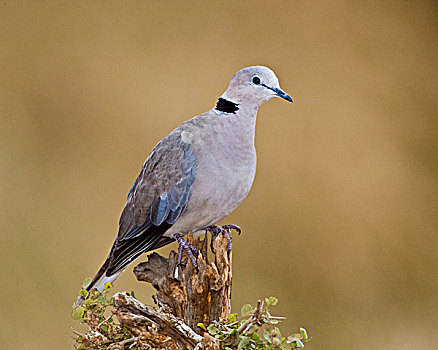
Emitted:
<point x="254" y="85"/>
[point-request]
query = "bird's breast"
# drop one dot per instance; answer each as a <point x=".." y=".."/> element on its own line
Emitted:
<point x="224" y="177"/>
<point x="225" y="172"/>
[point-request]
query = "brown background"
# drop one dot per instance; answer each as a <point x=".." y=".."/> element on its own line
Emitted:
<point x="341" y="223"/>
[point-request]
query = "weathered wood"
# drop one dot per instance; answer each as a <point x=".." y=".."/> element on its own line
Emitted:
<point x="185" y="297"/>
<point x="159" y="328"/>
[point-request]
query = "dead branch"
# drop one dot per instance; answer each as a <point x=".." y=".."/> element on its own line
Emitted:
<point x="182" y="301"/>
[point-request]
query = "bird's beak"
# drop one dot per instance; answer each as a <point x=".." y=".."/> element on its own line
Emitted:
<point x="282" y="94"/>
<point x="279" y="93"/>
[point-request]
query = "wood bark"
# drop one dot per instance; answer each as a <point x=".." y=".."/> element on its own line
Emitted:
<point x="184" y="297"/>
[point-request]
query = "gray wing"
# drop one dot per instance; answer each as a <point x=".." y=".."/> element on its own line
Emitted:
<point x="156" y="200"/>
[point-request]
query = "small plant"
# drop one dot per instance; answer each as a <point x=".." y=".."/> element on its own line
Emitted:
<point x="94" y="311"/>
<point x="256" y="328"/>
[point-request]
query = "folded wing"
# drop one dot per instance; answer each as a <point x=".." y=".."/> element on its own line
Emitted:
<point x="156" y="200"/>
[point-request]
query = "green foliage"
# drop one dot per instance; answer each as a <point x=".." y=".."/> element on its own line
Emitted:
<point x="255" y="329"/>
<point x="95" y="312"/>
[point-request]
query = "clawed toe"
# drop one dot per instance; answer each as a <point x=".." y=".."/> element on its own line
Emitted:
<point x="233" y="227"/>
<point x="191" y="250"/>
<point x="225" y="230"/>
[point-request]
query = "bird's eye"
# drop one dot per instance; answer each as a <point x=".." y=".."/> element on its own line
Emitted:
<point x="256" y="80"/>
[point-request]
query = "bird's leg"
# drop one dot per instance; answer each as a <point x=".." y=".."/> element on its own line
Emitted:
<point x="225" y="230"/>
<point x="182" y="244"/>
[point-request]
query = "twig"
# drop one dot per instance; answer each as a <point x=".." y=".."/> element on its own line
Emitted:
<point x="168" y="324"/>
<point x="123" y="342"/>
<point x="255" y="318"/>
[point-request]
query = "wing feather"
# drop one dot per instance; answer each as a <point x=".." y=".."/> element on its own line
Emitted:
<point x="157" y="199"/>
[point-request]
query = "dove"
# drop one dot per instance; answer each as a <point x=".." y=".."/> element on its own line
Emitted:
<point x="195" y="176"/>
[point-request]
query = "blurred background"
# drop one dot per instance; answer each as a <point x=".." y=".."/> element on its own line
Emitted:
<point x="341" y="223"/>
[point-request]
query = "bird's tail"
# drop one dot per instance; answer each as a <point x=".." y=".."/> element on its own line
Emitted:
<point x="100" y="279"/>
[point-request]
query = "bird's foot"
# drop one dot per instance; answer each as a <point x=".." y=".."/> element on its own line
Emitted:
<point x="232" y="227"/>
<point x="191" y="250"/>
<point x="225" y="230"/>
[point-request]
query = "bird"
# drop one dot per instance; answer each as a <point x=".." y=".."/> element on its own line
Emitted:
<point x="195" y="176"/>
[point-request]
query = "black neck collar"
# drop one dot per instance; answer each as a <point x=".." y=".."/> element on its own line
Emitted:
<point x="226" y="106"/>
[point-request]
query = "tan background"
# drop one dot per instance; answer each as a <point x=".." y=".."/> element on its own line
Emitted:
<point x="341" y="223"/>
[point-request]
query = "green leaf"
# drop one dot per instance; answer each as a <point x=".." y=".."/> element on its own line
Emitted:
<point x="86" y="282"/>
<point x="255" y="336"/>
<point x="299" y="344"/>
<point x="293" y="337"/>
<point x="271" y="301"/>
<point x="79" y="314"/>
<point x="83" y="293"/>
<point x="201" y="325"/>
<point x="232" y="318"/>
<point x="107" y="286"/>
<point x="212" y="329"/>
<point x="304" y="333"/>
<point x="246" y="310"/>
<point x="105" y="327"/>
<point x="244" y="342"/>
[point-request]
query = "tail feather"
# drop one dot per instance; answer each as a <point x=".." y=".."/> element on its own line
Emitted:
<point x="99" y="275"/>
<point x="100" y="283"/>
<point x="100" y="279"/>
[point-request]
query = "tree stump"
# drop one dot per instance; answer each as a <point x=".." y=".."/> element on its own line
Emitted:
<point x="184" y="298"/>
